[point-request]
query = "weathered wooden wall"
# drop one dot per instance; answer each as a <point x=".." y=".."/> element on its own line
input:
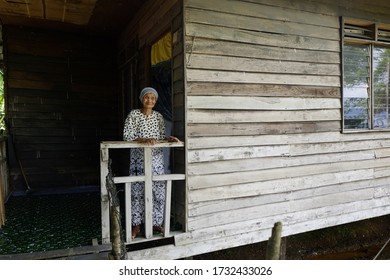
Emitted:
<point x="61" y="102"/>
<point x="264" y="122"/>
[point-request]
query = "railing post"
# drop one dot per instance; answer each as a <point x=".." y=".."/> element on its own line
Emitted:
<point x="148" y="192"/>
<point x="128" y="218"/>
<point x="105" y="204"/>
<point x="167" y="209"/>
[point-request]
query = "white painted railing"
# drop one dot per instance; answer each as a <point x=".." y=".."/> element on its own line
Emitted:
<point x="148" y="178"/>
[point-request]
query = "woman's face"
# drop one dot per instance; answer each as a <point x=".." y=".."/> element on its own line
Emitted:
<point x="149" y="101"/>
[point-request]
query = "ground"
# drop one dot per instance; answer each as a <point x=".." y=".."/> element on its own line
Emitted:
<point x="359" y="240"/>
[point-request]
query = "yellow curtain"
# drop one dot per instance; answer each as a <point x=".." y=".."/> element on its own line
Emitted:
<point x="161" y="50"/>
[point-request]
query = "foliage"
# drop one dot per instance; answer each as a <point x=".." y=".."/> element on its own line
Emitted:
<point x="356" y="65"/>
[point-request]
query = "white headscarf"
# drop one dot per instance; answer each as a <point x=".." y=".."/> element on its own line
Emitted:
<point x="148" y="90"/>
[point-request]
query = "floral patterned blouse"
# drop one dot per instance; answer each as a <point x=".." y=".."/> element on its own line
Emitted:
<point x="138" y="125"/>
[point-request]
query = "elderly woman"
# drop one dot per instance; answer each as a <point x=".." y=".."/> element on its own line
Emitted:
<point x="146" y="126"/>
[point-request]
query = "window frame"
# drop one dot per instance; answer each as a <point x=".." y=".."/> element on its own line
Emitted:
<point x="367" y="34"/>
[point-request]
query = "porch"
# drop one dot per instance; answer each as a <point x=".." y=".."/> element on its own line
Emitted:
<point x="75" y="224"/>
<point x="110" y="203"/>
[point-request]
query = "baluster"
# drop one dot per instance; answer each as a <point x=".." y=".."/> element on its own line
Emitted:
<point x="148" y="192"/>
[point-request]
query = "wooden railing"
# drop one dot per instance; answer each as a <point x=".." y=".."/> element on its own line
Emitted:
<point x="148" y="178"/>
<point x="4" y="187"/>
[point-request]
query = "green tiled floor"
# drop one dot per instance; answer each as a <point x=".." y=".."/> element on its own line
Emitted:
<point x="50" y="222"/>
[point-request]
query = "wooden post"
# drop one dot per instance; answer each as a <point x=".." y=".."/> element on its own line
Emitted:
<point x="118" y="247"/>
<point x="273" y="245"/>
<point x="105" y="204"/>
<point x="116" y="232"/>
<point x="167" y="209"/>
<point x="148" y="192"/>
<point x="128" y="219"/>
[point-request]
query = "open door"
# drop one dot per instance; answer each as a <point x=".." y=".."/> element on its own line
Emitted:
<point x="161" y="80"/>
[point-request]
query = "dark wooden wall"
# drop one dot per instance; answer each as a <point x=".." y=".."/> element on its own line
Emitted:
<point x="61" y="102"/>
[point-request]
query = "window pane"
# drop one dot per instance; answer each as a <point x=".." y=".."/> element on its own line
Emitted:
<point x="356" y="86"/>
<point x="381" y="87"/>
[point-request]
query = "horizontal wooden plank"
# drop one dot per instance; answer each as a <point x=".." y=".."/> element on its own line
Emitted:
<point x="60" y="115"/>
<point x="339" y="219"/>
<point x="380" y="153"/>
<point x="263" y="22"/>
<point x="237" y="116"/>
<point x="128" y="179"/>
<point x="34" y="171"/>
<point x="215" y="180"/>
<point x="54" y="140"/>
<point x="34" y="93"/>
<point x="381" y="172"/>
<point x="301" y="138"/>
<point x="260" y="103"/>
<point x="257" y="212"/>
<point x="256" y="128"/>
<point x="74" y="100"/>
<point x="40" y="85"/>
<point x="252" y="65"/>
<point x="291" y="222"/>
<point x="271" y="10"/>
<point x="248" y="164"/>
<point x="70" y="253"/>
<point x="196" y="45"/>
<point x="201" y="204"/>
<point x="382" y="192"/>
<point x="77" y="153"/>
<point x="196" y="75"/>
<point x="358" y="8"/>
<point x="237" y="234"/>
<point x="37" y="76"/>
<point x="240" y="89"/>
<point x="283" y="150"/>
<point x="132" y="144"/>
<point x="165" y="177"/>
<point x="260" y="38"/>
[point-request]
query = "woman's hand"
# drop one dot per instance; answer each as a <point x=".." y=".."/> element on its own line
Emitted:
<point x="150" y="141"/>
<point x="173" y="139"/>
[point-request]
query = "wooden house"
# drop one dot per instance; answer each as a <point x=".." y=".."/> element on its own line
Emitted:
<point x="282" y="107"/>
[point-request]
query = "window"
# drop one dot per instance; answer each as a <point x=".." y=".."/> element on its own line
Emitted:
<point x="366" y="71"/>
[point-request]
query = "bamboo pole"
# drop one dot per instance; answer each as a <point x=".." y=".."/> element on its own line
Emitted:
<point x="273" y="245"/>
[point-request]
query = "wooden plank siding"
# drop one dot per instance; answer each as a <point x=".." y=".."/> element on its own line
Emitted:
<point x="61" y="102"/>
<point x="263" y="113"/>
